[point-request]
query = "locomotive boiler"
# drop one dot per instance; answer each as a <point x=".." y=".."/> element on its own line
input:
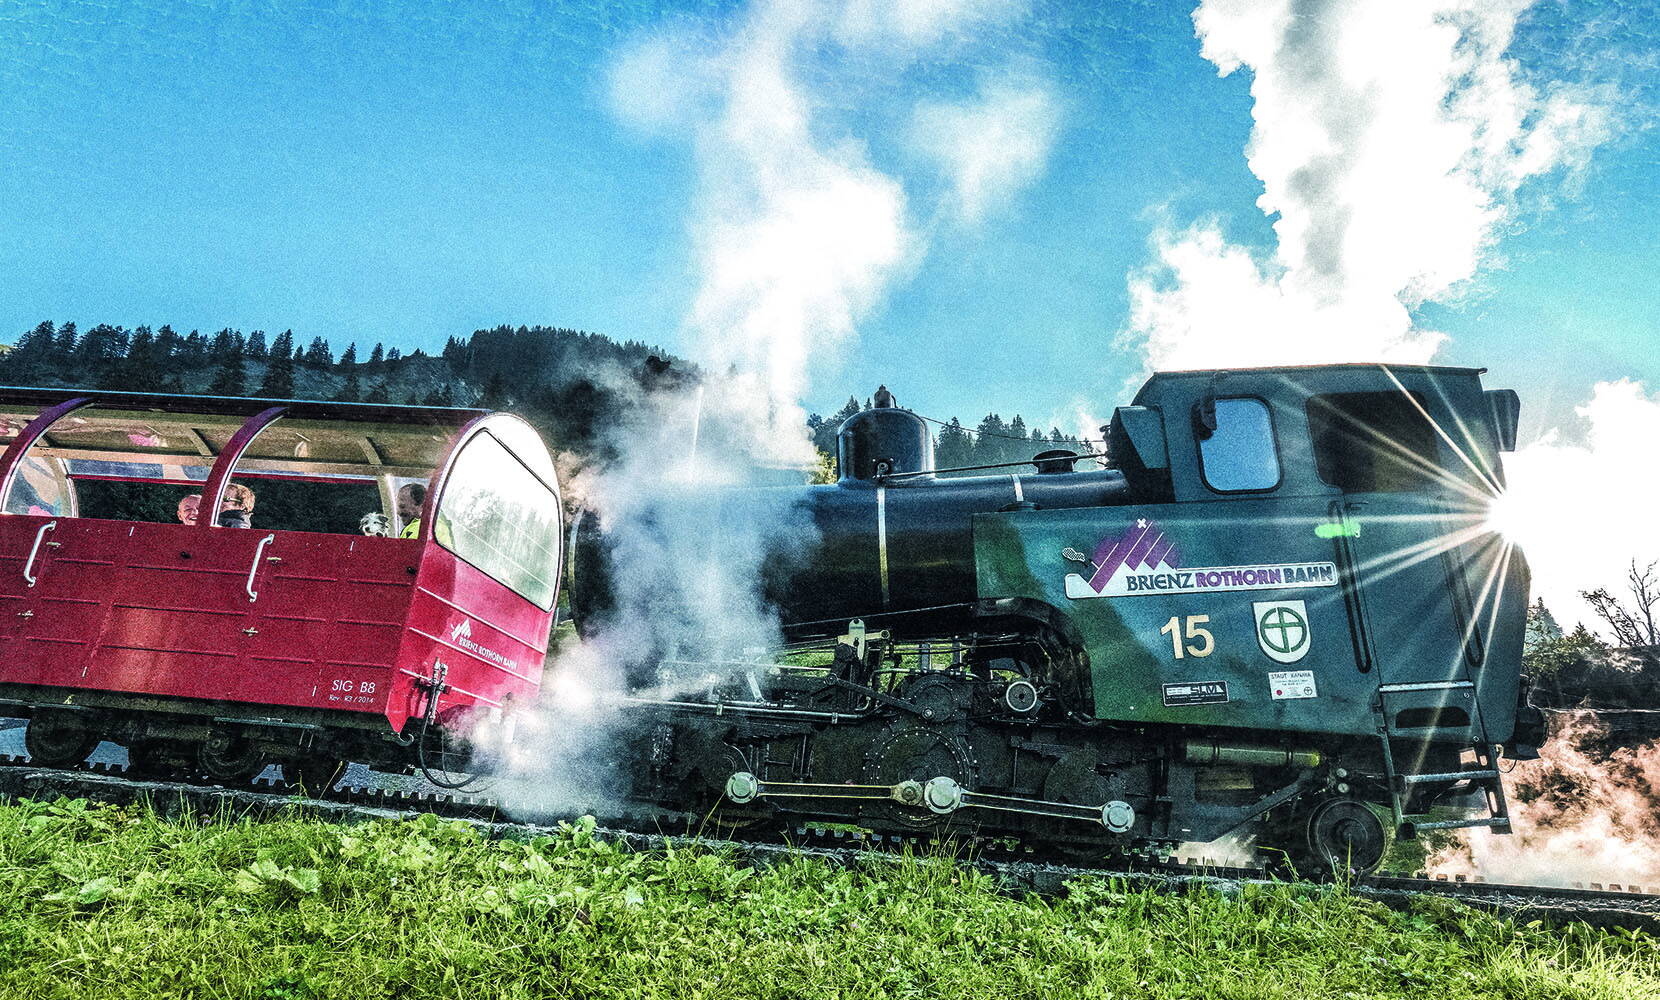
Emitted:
<point x="1279" y="611"/>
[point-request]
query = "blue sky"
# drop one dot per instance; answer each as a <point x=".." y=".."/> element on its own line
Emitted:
<point x="406" y="172"/>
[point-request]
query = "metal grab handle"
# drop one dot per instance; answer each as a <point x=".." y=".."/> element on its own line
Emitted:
<point x="34" y="551"/>
<point x="253" y="570"/>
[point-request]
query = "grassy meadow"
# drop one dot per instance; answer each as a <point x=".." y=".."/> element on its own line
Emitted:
<point x="108" y="902"/>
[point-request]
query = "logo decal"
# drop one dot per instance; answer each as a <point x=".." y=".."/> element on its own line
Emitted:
<point x="1144" y="560"/>
<point x="1282" y="629"/>
<point x="1288" y="685"/>
<point x="461" y="634"/>
<point x="1195" y="693"/>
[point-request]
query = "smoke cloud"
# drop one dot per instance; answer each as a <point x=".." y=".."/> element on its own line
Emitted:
<point x="1583" y="813"/>
<point x="1391" y="140"/>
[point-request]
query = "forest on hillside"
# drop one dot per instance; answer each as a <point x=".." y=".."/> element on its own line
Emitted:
<point x="573" y="385"/>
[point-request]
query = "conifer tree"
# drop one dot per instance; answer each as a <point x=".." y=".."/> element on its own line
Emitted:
<point x="228" y="379"/>
<point x="378" y="355"/>
<point x="279" y="372"/>
<point x="256" y="350"/>
<point x="319" y="354"/>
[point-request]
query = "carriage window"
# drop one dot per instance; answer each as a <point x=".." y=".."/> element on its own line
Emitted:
<point x="499" y="517"/>
<point x="1374" y="442"/>
<point x="1239" y="456"/>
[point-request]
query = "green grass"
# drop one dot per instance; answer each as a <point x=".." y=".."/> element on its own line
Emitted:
<point x="107" y="902"/>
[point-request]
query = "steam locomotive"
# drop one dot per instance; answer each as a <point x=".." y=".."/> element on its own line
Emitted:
<point x="1279" y="611"/>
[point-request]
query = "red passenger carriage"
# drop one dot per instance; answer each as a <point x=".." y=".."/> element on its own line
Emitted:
<point x="209" y="650"/>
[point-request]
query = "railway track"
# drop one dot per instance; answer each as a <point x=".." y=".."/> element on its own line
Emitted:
<point x="1017" y="870"/>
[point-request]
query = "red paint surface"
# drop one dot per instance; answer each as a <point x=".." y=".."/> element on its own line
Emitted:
<point x="341" y="622"/>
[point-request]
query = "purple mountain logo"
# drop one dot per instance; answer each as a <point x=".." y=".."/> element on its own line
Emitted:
<point x="1141" y="546"/>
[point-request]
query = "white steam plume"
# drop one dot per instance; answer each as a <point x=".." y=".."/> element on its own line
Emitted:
<point x="798" y="236"/>
<point x="1391" y="140"/>
<point x="989" y="147"/>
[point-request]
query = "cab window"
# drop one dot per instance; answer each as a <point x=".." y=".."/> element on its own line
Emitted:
<point x="1374" y="442"/>
<point x="1239" y="455"/>
<point x="498" y="516"/>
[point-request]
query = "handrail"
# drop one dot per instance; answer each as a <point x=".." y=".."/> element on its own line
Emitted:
<point x="34" y="551"/>
<point x="253" y="570"/>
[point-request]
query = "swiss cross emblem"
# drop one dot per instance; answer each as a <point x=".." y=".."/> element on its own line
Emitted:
<point x="1282" y="629"/>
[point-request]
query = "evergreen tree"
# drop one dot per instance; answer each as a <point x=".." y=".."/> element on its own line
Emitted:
<point x="167" y="345"/>
<point x="824" y="436"/>
<point x="393" y="355"/>
<point x="495" y="393"/>
<point x="26" y="363"/>
<point x="256" y="350"/>
<point x="319" y="354"/>
<point x="140" y="370"/>
<point x="228" y="379"/>
<point x="955" y="448"/>
<point x="279" y="372"/>
<point x="989" y="439"/>
<point x="349" y="358"/>
<point x="63" y="348"/>
<point x="381" y="393"/>
<point x="1541" y="626"/>
<point x="192" y="350"/>
<point x="378" y="355"/>
<point x="222" y="346"/>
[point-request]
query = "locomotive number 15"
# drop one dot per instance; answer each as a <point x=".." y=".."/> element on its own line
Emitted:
<point x="1205" y="644"/>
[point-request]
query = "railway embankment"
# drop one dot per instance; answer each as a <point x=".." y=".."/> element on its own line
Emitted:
<point x="121" y="901"/>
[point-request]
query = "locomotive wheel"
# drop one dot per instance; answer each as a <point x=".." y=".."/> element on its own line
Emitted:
<point x="316" y="776"/>
<point x="229" y="759"/>
<point x="57" y="739"/>
<point x="1338" y="836"/>
<point x="1075" y="780"/>
<point x="916" y="752"/>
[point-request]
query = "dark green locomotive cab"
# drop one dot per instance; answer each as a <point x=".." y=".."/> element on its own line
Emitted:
<point x="1308" y="553"/>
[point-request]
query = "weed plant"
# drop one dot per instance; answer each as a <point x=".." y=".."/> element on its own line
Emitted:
<point x="108" y="902"/>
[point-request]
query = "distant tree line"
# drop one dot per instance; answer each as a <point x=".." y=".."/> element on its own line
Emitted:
<point x="573" y="385"/>
<point x="990" y="442"/>
<point x="569" y="383"/>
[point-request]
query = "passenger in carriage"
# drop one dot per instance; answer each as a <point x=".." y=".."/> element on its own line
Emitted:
<point x="188" y="508"/>
<point x="237" y="508"/>
<point x="411" y="497"/>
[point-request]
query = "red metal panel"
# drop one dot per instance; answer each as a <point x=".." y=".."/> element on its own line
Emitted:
<point x="492" y="640"/>
<point x="340" y="622"/>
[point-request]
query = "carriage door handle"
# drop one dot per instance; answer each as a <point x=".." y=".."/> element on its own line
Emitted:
<point x="28" y="567"/>
<point x="253" y="570"/>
